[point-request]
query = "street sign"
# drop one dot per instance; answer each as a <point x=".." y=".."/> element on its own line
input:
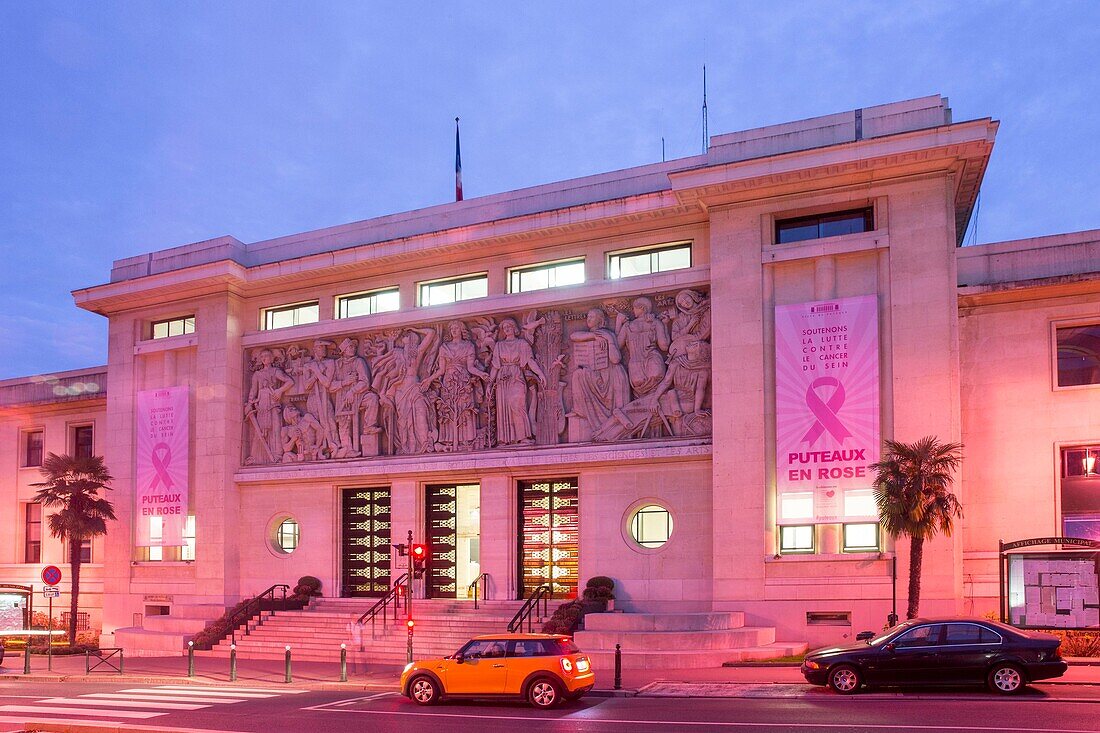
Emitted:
<point x="51" y="591"/>
<point x="51" y="575"/>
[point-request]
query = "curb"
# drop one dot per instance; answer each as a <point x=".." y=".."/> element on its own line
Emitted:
<point x="71" y="726"/>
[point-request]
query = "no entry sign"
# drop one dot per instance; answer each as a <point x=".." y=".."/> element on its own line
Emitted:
<point x="51" y="575"/>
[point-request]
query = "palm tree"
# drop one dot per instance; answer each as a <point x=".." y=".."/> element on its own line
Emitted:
<point x="913" y="493"/>
<point x="73" y="484"/>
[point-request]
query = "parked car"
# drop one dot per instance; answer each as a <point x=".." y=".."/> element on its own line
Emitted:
<point x="939" y="652"/>
<point x="1" y="653"/>
<point x="544" y="669"/>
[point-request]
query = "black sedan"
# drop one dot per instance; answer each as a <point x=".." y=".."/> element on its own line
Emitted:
<point x="939" y="652"/>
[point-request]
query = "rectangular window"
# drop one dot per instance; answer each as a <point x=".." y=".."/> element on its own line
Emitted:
<point x="32" y="448"/>
<point x="83" y="441"/>
<point x="85" y="550"/>
<point x="187" y="552"/>
<point x="296" y="314"/>
<point x="1078" y="355"/>
<point x="861" y="537"/>
<point x="820" y="226"/>
<point x="796" y="505"/>
<point x="467" y="287"/>
<point x="860" y="503"/>
<point x="173" y="327"/>
<point x="540" y="277"/>
<point x="650" y="260"/>
<point x="365" y="304"/>
<point x="156" y="535"/>
<point x="32" y="547"/>
<point x="796" y="539"/>
<point x="1081" y="462"/>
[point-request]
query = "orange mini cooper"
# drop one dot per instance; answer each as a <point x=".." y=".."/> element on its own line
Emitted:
<point x="545" y="670"/>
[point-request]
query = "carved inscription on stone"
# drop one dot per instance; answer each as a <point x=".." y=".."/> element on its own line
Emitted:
<point x="612" y="371"/>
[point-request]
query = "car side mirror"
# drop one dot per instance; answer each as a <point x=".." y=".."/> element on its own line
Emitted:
<point x="459" y="658"/>
<point x="891" y="647"/>
<point x="865" y="635"/>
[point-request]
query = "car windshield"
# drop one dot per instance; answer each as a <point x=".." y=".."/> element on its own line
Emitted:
<point x="892" y="631"/>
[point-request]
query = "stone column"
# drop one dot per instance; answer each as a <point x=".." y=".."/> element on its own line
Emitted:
<point x="498" y="536"/>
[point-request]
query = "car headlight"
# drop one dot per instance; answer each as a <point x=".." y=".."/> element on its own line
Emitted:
<point x="811" y="664"/>
<point x="407" y="667"/>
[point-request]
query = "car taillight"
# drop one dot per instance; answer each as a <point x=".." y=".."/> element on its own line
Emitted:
<point x="566" y="665"/>
<point x="583" y="665"/>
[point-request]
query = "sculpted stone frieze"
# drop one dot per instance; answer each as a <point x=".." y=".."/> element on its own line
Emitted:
<point x="610" y="372"/>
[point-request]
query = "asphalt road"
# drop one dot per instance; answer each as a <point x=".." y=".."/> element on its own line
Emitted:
<point x="273" y="709"/>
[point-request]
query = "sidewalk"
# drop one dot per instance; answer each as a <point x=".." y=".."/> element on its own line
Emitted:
<point x="326" y="675"/>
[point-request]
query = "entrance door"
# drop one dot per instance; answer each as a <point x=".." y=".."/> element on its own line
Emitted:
<point x="453" y="514"/>
<point x="549" y="550"/>
<point x="366" y="542"/>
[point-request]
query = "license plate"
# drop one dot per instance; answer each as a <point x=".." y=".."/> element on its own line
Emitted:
<point x="582" y="665"/>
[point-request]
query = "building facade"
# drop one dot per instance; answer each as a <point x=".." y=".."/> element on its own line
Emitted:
<point x="674" y="375"/>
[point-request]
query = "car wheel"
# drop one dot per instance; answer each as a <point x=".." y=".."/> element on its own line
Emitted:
<point x="845" y="679"/>
<point x="544" y="693"/>
<point x="1007" y="679"/>
<point x="424" y="690"/>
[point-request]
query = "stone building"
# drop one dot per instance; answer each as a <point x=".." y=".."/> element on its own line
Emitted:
<point x="674" y="375"/>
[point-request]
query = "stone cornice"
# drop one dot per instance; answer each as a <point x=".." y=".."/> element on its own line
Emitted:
<point x="359" y="472"/>
<point x="961" y="149"/>
<point x="1017" y="291"/>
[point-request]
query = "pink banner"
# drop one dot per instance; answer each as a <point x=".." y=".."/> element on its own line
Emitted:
<point x="827" y="409"/>
<point x="161" y="467"/>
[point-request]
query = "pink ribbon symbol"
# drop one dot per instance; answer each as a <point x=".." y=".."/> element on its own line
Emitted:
<point x="825" y="411"/>
<point x="162" y="458"/>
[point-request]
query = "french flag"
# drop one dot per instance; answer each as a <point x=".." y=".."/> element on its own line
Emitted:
<point x="458" y="165"/>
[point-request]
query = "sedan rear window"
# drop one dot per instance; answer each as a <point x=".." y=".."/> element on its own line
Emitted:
<point x="566" y="646"/>
<point x="970" y="634"/>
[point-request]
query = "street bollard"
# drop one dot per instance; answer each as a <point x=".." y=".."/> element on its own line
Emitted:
<point x="343" y="662"/>
<point x="27" y="657"/>
<point x="287" y="671"/>
<point x="121" y="660"/>
<point x="232" y="662"/>
<point x="190" y="659"/>
<point x="618" y="667"/>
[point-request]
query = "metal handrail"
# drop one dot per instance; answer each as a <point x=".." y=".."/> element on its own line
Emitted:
<point x="383" y="603"/>
<point x="484" y="580"/>
<point x="248" y="611"/>
<point x="530" y="607"/>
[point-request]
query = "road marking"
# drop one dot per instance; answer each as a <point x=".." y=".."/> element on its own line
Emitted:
<point x="715" y="724"/>
<point x="352" y="701"/>
<point x="202" y="693"/>
<point x="234" y="688"/>
<point x="77" y="711"/>
<point x="120" y="703"/>
<point x="164" y="698"/>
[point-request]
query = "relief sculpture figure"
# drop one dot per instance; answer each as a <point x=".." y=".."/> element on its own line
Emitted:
<point x="598" y="383"/>
<point x="318" y="377"/>
<point x="301" y="436"/>
<point x="644" y="338"/>
<point x="263" y="411"/>
<point x="458" y="370"/>
<point x="512" y="359"/>
<point x="397" y="379"/>
<point x="355" y="405"/>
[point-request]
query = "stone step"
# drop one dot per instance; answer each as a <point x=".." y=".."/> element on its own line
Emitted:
<point x="745" y="636"/>
<point x="145" y="643"/>
<point x="175" y="624"/>
<point x="711" y="621"/>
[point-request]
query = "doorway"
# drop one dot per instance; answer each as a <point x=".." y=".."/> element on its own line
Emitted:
<point x="453" y="518"/>
<point x="549" y="537"/>
<point x="366" y="543"/>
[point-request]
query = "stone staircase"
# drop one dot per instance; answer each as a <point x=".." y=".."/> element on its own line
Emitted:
<point x="161" y="635"/>
<point x="315" y="633"/>
<point x="678" y="640"/>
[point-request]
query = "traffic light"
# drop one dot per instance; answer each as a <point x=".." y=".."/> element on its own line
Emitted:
<point x="420" y="559"/>
<point x="410" y="624"/>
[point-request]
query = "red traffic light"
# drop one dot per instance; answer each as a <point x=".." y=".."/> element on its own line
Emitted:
<point x="410" y="623"/>
<point x="419" y="552"/>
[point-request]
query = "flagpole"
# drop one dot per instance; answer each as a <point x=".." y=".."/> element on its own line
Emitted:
<point x="458" y="165"/>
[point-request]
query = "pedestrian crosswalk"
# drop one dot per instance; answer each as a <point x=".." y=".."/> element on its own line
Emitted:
<point x="141" y="703"/>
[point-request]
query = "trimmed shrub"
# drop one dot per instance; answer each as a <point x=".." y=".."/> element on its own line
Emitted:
<point x="307" y="587"/>
<point x="1077" y="643"/>
<point x="601" y="581"/>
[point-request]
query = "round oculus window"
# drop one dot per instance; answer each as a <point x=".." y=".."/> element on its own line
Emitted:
<point x="286" y="536"/>
<point x="651" y="526"/>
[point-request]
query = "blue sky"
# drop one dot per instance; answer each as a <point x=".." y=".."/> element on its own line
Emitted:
<point x="127" y="127"/>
